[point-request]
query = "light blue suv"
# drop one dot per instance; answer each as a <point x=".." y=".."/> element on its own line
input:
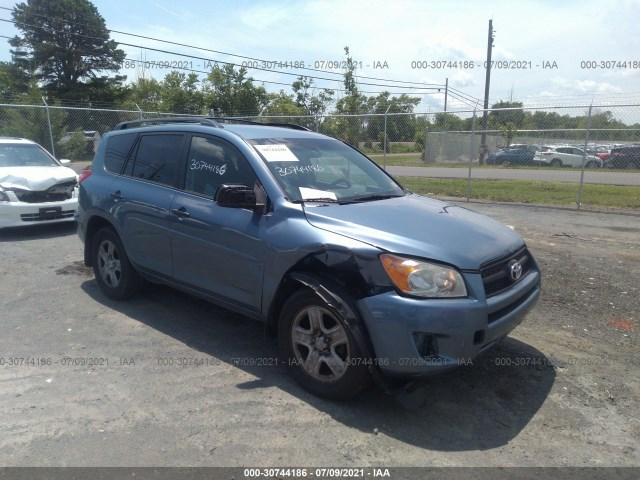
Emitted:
<point x="359" y="278"/>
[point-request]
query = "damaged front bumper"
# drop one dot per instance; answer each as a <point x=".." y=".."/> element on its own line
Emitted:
<point x="416" y="337"/>
<point x="16" y="213"/>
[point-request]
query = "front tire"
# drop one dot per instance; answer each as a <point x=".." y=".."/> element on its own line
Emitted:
<point x="556" y="162"/>
<point x="320" y="349"/>
<point x="114" y="274"/>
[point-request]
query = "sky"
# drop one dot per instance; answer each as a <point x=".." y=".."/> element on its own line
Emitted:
<point x="545" y="52"/>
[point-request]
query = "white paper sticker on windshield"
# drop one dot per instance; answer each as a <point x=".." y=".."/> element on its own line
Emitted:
<point x="312" y="193"/>
<point x="276" y="153"/>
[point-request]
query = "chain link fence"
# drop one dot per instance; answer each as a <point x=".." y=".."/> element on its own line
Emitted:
<point x="582" y="156"/>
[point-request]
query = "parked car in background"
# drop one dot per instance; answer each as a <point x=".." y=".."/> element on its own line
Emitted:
<point x="34" y="186"/>
<point x="359" y="278"/>
<point x="600" y="151"/>
<point x="566" y="156"/>
<point x="624" y="157"/>
<point x="514" y="155"/>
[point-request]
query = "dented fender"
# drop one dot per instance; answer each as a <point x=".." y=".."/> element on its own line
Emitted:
<point x="331" y="293"/>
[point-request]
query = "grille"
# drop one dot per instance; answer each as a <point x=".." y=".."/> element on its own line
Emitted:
<point x="57" y="193"/>
<point x="496" y="275"/>
<point x="41" y="197"/>
<point x="39" y="217"/>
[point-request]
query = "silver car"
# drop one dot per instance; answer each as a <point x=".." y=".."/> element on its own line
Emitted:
<point x="566" y="156"/>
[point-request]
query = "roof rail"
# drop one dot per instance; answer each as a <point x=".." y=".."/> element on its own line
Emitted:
<point x="199" y="120"/>
<point x="292" y="126"/>
<point x="210" y="121"/>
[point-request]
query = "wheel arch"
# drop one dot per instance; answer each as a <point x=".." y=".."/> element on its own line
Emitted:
<point x="94" y="224"/>
<point x="332" y="293"/>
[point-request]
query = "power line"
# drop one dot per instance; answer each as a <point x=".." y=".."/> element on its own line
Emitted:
<point x="412" y="84"/>
<point x="195" y="57"/>
<point x="277" y="83"/>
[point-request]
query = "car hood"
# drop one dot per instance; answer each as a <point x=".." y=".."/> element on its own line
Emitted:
<point x="419" y="226"/>
<point x="35" y="179"/>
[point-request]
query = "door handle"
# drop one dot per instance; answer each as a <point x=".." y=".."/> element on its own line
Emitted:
<point x="116" y="195"/>
<point x="180" y="212"/>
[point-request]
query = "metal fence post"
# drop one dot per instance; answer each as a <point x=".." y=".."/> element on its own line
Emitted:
<point x="584" y="157"/>
<point x="471" y="153"/>
<point x="53" y="147"/>
<point x="384" y="158"/>
<point x="426" y="134"/>
<point x="140" y="110"/>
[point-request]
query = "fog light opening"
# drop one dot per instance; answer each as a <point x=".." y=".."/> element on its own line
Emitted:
<point x="426" y="344"/>
<point x="478" y="337"/>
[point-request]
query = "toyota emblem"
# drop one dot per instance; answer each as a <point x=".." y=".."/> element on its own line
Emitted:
<point x="516" y="271"/>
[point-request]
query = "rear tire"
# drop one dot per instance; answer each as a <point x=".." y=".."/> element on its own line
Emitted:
<point x="592" y="164"/>
<point x="320" y="349"/>
<point x="115" y="275"/>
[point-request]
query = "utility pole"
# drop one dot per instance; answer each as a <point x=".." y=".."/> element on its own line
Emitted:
<point x="446" y="93"/>
<point x="487" y="81"/>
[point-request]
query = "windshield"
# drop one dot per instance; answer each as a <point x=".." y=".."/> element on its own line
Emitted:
<point x="323" y="169"/>
<point x="24" y="155"/>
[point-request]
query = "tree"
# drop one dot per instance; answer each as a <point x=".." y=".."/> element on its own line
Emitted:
<point x="353" y="103"/>
<point x="499" y="117"/>
<point x="282" y="104"/>
<point x="32" y="123"/>
<point x="508" y="132"/>
<point x="13" y="81"/>
<point x="180" y="93"/>
<point x="315" y="105"/>
<point x="230" y="92"/>
<point x="445" y="122"/>
<point x="65" y="45"/>
<point x="400" y="128"/>
<point x="145" y="93"/>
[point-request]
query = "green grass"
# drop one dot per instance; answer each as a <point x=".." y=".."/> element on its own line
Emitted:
<point x="415" y="160"/>
<point x="399" y="159"/>
<point x="524" y="191"/>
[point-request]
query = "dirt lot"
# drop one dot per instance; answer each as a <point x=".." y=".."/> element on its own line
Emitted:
<point x="171" y="381"/>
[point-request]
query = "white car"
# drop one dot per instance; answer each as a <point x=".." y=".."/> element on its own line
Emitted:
<point x="566" y="156"/>
<point x="35" y="188"/>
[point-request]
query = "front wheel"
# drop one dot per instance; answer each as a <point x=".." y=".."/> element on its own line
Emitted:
<point x="320" y="349"/>
<point x="556" y="162"/>
<point x="115" y="275"/>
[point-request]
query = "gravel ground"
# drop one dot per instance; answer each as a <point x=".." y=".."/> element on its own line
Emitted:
<point x="167" y="380"/>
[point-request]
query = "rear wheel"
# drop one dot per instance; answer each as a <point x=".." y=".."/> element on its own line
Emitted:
<point x="320" y="349"/>
<point x="114" y="273"/>
<point x="556" y="162"/>
<point x="592" y="164"/>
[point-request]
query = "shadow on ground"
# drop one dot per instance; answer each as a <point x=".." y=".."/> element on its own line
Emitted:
<point x="480" y="406"/>
<point x="35" y="232"/>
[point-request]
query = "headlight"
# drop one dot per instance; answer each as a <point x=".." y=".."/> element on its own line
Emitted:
<point x="423" y="279"/>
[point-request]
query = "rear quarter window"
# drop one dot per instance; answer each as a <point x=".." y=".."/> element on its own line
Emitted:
<point x="117" y="150"/>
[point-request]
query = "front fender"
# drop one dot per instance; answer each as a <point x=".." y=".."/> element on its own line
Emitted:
<point x="336" y="296"/>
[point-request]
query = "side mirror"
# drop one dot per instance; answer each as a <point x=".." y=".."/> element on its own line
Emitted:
<point x="237" y="196"/>
<point x="65" y="161"/>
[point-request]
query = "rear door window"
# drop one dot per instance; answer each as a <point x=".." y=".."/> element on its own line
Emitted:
<point x="157" y="158"/>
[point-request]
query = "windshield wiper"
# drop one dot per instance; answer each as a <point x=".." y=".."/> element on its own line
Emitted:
<point x="372" y="197"/>
<point x="319" y="199"/>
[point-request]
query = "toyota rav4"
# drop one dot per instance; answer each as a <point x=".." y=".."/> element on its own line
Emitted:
<point x="358" y="277"/>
